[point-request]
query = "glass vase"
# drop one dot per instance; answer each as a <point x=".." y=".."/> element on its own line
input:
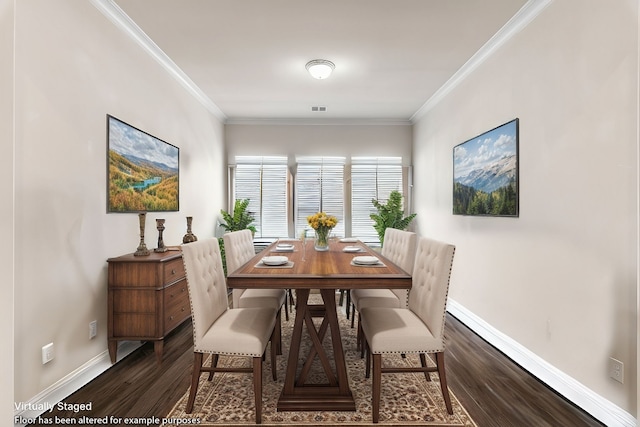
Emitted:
<point x="322" y="240"/>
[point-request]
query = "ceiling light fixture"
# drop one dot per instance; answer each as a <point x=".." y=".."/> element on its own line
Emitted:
<point x="320" y="68"/>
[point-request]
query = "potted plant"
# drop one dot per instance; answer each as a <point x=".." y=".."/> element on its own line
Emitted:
<point x="390" y="215"/>
<point x="241" y="219"/>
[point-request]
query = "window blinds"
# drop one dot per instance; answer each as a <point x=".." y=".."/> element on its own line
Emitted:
<point x="319" y="187"/>
<point x="371" y="178"/>
<point x="263" y="180"/>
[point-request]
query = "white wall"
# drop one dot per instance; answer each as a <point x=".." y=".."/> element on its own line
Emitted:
<point x="73" y="66"/>
<point x="7" y="206"/>
<point x="316" y="140"/>
<point x="561" y="279"/>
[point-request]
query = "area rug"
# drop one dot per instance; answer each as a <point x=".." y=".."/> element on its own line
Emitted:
<point x="407" y="399"/>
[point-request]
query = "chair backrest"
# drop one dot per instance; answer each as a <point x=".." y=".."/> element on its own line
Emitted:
<point x="206" y="284"/>
<point x="238" y="249"/>
<point x="430" y="283"/>
<point x="400" y="247"/>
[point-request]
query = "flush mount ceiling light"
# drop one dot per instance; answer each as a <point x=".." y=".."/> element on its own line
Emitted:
<point x="320" y="68"/>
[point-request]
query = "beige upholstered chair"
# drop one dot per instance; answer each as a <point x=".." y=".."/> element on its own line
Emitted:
<point x="218" y="330"/>
<point x="399" y="247"/>
<point x="238" y="247"/>
<point x="416" y="329"/>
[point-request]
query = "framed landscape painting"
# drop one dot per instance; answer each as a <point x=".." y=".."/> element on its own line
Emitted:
<point x="485" y="173"/>
<point x="142" y="170"/>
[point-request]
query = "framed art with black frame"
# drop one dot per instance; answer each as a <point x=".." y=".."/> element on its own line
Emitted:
<point x="485" y="173"/>
<point x="142" y="171"/>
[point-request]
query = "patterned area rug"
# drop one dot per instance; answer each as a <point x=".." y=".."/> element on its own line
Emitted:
<point x="407" y="399"/>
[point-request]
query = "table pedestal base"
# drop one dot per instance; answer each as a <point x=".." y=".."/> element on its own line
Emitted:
<point x="316" y="399"/>
<point x="296" y="394"/>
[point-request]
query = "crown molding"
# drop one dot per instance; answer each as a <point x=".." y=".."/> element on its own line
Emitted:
<point x="121" y="20"/>
<point x="318" y="122"/>
<point x="517" y="23"/>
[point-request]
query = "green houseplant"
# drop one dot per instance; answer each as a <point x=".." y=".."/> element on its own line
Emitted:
<point x="240" y="219"/>
<point x="390" y="215"/>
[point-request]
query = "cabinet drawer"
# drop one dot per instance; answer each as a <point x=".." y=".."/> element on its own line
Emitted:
<point x="176" y="294"/>
<point x="173" y="270"/>
<point x="134" y="300"/>
<point x="176" y="305"/>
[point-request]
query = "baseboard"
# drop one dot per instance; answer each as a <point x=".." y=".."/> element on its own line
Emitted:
<point x="597" y="406"/>
<point x="69" y="384"/>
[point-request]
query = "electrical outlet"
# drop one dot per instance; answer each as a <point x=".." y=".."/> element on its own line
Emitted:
<point x="47" y="353"/>
<point x="616" y="370"/>
<point x="93" y="329"/>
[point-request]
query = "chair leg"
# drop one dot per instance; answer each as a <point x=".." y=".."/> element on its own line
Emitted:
<point x="257" y="387"/>
<point x="367" y="366"/>
<point x="443" y="382"/>
<point x="274" y="372"/>
<point x="423" y="362"/>
<point x="376" y="385"/>
<point x="195" y="378"/>
<point x="286" y="307"/>
<point x="353" y="313"/>
<point x="292" y="303"/>
<point x="214" y="363"/>
<point x="278" y="332"/>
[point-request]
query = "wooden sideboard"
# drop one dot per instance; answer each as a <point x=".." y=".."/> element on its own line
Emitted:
<point x="147" y="299"/>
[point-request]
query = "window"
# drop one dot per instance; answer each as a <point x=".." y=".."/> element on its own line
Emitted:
<point x="263" y="180"/>
<point x="371" y="178"/>
<point x="320" y="187"/>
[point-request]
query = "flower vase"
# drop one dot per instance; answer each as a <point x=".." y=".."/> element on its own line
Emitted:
<point x="322" y="240"/>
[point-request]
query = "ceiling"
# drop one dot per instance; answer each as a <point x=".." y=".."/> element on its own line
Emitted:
<point x="247" y="58"/>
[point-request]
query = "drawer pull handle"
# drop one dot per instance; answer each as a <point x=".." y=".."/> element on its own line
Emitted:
<point x="170" y="317"/>
<point x="173" y="271"/>
<point x="182" y="309"/>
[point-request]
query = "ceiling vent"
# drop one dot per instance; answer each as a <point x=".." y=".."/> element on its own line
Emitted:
<point x="318" y="109"/>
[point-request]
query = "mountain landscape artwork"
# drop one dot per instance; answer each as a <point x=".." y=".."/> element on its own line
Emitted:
<point x="143" y="170"/>
<point x="485" y="173"/>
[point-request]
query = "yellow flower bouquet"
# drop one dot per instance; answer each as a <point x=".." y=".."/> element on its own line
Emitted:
<point x="322" y="224"/>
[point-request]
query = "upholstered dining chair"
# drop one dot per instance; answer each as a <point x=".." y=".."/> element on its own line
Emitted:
<point x="419" y="328"/>
<point x="238" y="247"/>
<point x="218" y="330"/>
<point x="400" y="248"/>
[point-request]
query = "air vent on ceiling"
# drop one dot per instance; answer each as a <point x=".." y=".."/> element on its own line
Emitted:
<point x="318" y="109"/>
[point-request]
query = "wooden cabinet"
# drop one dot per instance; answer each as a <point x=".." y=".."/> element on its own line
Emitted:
<point x="147" y="298"/>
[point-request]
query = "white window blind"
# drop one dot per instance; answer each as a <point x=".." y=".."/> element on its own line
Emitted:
<point x="319" y="187"/>
<point x="263" y="180"/>
<point x="371" y="178"/>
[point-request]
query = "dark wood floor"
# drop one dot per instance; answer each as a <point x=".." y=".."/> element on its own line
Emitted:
<point x="494" y="390"/>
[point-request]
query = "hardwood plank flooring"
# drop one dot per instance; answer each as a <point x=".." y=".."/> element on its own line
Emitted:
<point x="494" y="390"/>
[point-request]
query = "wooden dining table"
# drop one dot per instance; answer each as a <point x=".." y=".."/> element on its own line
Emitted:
<point x="326" y="271"/>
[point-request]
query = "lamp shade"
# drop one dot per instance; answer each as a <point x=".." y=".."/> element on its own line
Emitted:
<point x="320" y="68"/>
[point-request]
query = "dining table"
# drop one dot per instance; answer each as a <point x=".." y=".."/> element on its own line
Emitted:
<point x="305" y="269"/>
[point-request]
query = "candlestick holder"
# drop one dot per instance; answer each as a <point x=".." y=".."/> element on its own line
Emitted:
<point x="189" y="237"/>
<point x="142" y="247"/>
<point x="160" y="226"/>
